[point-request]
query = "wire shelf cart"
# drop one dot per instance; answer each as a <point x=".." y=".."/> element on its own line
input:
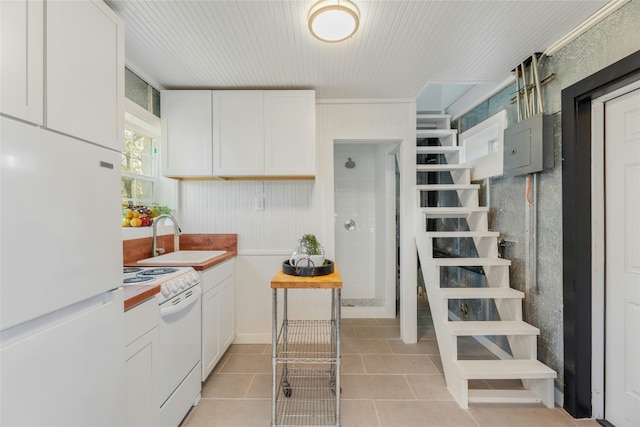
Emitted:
<point x="306" y="358"/>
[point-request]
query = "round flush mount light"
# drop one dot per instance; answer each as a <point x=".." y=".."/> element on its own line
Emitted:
<point x="333" y="21"/>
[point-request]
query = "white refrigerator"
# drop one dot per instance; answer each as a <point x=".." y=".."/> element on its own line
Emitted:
<point x="61" y="302"/>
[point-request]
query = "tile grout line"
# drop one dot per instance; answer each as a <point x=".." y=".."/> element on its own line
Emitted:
<point x="375" y="407"/>
<point x="253" y="377"/>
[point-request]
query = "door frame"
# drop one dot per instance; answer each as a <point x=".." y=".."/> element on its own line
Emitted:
<point x="577" y="224"/>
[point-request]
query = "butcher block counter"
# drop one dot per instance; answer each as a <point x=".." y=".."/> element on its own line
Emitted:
<point x="136" y="294"/>
<point x="286" y="281"/>
<point x="139" y="249"/>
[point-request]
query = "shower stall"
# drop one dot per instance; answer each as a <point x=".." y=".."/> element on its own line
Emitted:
<point x="365" y="178"/>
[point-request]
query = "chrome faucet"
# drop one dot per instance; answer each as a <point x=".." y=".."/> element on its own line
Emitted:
<point x="176" y="232"/>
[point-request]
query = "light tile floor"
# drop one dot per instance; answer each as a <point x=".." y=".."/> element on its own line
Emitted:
<point x="385" y="383"/>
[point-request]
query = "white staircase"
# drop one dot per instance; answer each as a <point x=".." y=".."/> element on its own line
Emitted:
<point x="537" y="378"/>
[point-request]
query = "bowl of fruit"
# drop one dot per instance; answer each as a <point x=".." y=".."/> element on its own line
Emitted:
<point x="137" y="216"/>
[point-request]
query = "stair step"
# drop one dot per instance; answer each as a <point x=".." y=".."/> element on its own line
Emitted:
<point x="470" y="262"/>
<point x="438" y="168"/>
<point x="498" y="327"/>
<point x="452" y="212"/>
<point x="454" y="234"/>
<point x="503" y="369"/>
<point x="503" y="396"/>
<point x="447" y="187"/>
<point x="432" y="116"/>
<point x="440" y="149"/>
<point x="433" y="121"/>
<point x="435" y="133"/>
<point x="480" y="293"/>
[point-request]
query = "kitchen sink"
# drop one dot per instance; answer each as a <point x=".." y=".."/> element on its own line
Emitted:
<point x="182" y="258"/>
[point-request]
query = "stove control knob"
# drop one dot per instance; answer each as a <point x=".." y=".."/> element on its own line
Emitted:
<point x="174" y="287"/>
<point x="166" y="291"/>
<point x="183" y="283"/>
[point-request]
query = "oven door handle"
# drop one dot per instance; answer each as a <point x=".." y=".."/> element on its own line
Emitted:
<point x="183" y="304"/>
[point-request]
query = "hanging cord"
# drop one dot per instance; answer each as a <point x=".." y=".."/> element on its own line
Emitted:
<point x="528" y="193"/>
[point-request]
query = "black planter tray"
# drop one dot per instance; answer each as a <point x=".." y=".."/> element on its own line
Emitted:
<point x="323" y="270"/>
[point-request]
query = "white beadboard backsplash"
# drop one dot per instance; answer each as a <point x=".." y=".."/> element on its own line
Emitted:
<point x="230" y="207"/>
<point x="265" y="239"/>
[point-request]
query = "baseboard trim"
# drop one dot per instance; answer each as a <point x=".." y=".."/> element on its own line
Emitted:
<point x="252" y="339"/>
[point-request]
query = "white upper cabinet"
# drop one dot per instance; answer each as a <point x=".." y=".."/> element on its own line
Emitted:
<point x="238" y="136"/>
<point x="85" y="72"/>
<point x="239" y="133"/>
<point x="187" y="136"/>
<point x="22" y="59"/>
<point x="290" y="133"/>
<point x="63" y="68"/>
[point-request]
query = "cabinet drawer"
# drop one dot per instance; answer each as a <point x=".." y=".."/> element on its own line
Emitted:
<point x="215" y="275"/>
<point x="140" y="319"/>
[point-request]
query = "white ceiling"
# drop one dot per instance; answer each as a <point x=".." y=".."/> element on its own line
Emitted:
<point x="402" y="46"/>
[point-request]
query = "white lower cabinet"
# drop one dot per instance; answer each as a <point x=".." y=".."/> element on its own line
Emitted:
<point x="218" y="313"/>
<point x="141" y="366"/>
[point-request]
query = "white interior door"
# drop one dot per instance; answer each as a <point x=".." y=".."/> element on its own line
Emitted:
<point x="622" y="206"/>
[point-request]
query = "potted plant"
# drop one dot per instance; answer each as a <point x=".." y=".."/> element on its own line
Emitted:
<point x="310" y="253"/>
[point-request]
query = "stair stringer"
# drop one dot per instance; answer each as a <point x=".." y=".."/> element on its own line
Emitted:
<point x="447" y="343"/>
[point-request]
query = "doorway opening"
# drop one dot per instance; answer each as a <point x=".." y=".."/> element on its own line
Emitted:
<point x="366" y="226"/>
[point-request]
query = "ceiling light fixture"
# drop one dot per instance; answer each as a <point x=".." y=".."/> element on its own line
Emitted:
<point x="333" y="21"/>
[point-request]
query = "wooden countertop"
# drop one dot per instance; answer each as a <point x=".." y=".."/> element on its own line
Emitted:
<point x="200" y="267"/>
<point x="135" y="294"/>
<point x="286" y="281"/>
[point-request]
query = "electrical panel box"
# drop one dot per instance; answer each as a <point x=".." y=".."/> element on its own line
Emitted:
<point x="528" y="146"/>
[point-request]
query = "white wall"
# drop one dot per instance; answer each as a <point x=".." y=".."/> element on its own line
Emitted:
<point x="375" y="120"/>
<point x="355" y="198"/>
<point x="265" y="239"/>
<point x="292" y="208"/>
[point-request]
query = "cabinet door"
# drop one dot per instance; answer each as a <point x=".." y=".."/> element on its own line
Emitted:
<point x="227" y="313"/>
<point x="142" y="407"/>
<point x="85" y="72"/>
<point x="238" y="137"/>
<point x="187" y="133"/>
<point x="290" y="133"/>
<point x="211" y="351"/>
<point x="22" y="59"/>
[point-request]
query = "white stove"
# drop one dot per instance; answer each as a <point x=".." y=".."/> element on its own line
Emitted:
<point x="173" y="280"/>
<point x="180" y="336"/>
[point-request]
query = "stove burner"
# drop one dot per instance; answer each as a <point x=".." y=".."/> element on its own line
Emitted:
<point x="128" y="270"/>
<point x="137" y="279"/>
<point x="157" y="271"/>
